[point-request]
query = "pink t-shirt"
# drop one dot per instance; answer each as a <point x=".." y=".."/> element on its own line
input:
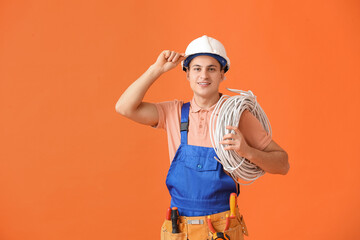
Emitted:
<point x="169" y="120"/>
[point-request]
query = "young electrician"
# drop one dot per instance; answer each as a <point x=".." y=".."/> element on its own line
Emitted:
<point x="197" y="183"/>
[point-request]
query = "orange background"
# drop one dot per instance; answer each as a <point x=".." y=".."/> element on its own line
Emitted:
<point x="72" y="168"/>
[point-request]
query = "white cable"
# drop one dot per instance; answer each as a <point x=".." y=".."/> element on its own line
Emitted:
<point x="227" y="112"/>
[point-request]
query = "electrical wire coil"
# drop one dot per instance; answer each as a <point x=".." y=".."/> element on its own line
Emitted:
<point x="227" y="112"/>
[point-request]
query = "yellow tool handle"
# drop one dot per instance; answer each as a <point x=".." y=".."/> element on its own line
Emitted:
<point x="232" y="205"/>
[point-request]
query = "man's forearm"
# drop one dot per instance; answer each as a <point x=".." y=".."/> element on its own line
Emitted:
<point x="275" y="162"/>
<point x="134" y="94"/>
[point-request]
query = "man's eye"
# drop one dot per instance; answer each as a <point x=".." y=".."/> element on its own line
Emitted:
<point x="211" y="69"/>
<point x="196" y="69"/>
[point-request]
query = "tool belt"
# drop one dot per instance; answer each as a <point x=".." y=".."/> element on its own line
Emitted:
<point x="196" y="228"/>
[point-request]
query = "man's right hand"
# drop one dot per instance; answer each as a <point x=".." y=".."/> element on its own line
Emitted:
<point x="168" y="60"/>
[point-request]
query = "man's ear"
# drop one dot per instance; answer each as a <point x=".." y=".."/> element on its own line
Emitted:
<point x="223" y="75"/>
<point x="187" y="74"/>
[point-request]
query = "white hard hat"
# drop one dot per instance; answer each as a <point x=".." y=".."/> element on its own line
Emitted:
<point x="206" y="46"/>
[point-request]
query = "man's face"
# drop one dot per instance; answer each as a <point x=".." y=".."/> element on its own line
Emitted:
<point x="205" y="75"/>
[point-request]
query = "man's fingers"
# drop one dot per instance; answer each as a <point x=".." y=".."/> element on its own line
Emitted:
<point x="228" y="142"/>
<point x="230" y="148"/>
<point x="233" y="128"/>
<point x="167" y="60"/>
<point x="167" y="54"/>
<point x="179" y="58"/>
<point x="182" y="56"/>
<point x="229" y="135"/>
<point x="176" y="58"/>
<point x="172" y="55"/>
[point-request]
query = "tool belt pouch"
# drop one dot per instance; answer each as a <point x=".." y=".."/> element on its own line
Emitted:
<point x="236" y="231"/>
<point x="166" y="231"/>
<point x="237" y="228"/>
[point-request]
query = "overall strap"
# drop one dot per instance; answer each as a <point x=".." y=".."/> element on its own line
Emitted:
<point x="184" y="125"/>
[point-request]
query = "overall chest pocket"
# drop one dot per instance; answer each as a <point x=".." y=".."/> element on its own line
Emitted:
<point x="201" y="164"/>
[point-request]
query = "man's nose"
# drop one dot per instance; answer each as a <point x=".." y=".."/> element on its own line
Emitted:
<point x="204" y="74"/>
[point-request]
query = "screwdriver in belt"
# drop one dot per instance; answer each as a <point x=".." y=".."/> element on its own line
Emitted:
<point x="233" y="200"/>
<point x="168" y="214"/>
<point x="175" y="220"/>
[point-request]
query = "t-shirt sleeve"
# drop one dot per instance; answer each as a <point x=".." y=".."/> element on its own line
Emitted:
<point x="166" y="111"/>
<point x="253" y="131"/>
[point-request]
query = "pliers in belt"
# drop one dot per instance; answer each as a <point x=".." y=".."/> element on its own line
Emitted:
<point x="219" y="235"/>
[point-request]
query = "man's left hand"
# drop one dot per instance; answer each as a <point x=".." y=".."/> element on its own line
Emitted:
<point x="235" y="141"/>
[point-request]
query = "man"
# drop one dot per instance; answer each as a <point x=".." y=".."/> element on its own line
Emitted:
<point x="197" y="183"/>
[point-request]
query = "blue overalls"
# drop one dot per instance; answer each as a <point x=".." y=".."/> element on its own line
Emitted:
<point x="197" y="182"/>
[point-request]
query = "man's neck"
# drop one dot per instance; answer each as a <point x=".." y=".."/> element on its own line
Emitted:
<point x="206" y="102"/>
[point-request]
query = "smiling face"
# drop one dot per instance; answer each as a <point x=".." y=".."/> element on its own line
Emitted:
<point x="205" y="75"/>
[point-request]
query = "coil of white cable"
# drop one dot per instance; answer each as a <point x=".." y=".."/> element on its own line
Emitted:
<point x="227" y="112"/>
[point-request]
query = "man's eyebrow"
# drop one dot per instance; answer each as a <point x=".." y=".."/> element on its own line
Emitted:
<point x="197" y="65"/>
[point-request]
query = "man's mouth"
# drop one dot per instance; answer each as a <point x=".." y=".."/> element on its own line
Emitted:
<point x="203" y="83"/>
